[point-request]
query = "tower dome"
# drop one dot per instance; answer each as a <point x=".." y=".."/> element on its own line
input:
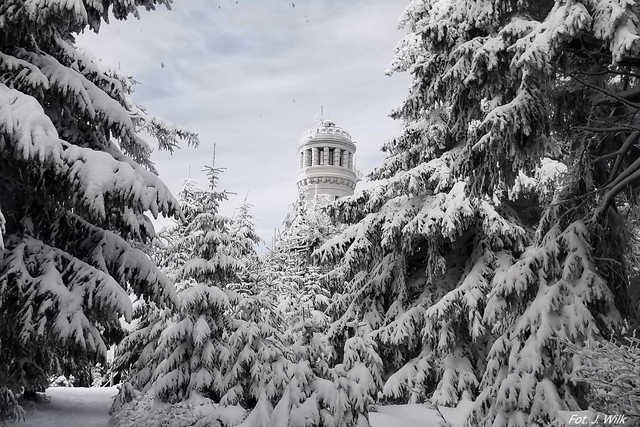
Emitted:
<point x="326" y="160"/>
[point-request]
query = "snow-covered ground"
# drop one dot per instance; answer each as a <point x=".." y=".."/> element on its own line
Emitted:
<point x="89" y="407"/>
<point x="418" y="415"/>
<point x="71" y="407"/>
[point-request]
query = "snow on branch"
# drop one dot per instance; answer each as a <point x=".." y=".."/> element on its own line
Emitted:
<point x="612" y="371"/>
<point x="614" y="21"/>
<point x="537" y="50"/>
<point x="59" y="291"/>
<point x="113" y="255"/>
<point x="410" y="380"/>
<point x="82" y="93"/>
<point x="29" y="135"/>
<point x="444" y="215"/>
<point x="24" y="73"/>
<point x="116" y="85"/>
<point x="202" y="296"/>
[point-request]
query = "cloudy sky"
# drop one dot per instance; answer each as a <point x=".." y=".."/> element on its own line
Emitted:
<point x="251" y="77"/>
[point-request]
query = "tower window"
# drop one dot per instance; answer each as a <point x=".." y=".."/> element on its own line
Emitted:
<point x="321" y="156"/>
<point x="332" y="152"/>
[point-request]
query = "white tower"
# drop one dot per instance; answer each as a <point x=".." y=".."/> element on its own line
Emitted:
<point x="326" y="159"/>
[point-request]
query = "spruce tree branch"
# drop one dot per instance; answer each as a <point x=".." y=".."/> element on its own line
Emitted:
<point x="629" y="170"/>
<point x="623" y="150"/>
<point x="570" y="199"/>
<point x="573" y="209"/>
<point x="606" y="156"/>
<point x="605" y="72"/>
<point x="620" y="128"/>
<point x="613" y="192"/>
<point x="606" y="92"/>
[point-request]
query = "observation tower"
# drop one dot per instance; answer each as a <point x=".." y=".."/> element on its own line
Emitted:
<point x="326" y="160"/>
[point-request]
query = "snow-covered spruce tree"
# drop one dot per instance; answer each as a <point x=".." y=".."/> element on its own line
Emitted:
<point x="178" y="354"/>
<point x="228" y="348"/>
<point x="468" y="283"/>
<point x="282" y="355"/>
<point x="288" y="266"/>
<point x="244" y="242"/>
<point x="273" y="358"/>
<point x="243" y="231"/>
<point x="257" y="362"/>
<point x="77" y="182"/>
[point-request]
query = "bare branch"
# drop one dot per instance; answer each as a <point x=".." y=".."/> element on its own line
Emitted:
<point x="619" y="128"/>
<point x="630" y="176"/>
<point x="623" y="150"/>
<point x="606" y="92"/>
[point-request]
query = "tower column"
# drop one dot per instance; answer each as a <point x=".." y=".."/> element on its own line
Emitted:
<point x="350" y="162"/>
<point x="314" y="156"/>
<point x="307" y="157"/>
<point x="326" y="155"/>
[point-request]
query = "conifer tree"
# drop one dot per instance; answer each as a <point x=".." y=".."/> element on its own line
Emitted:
<point x="284" y="360"/>
<point x="289" y="266"/>
<point x="243" y="229"/>
<point x="244" y="243"/>
<point x="77" y="185"/>
<point x="179" y="354"/>
<point x="466" y="282"/>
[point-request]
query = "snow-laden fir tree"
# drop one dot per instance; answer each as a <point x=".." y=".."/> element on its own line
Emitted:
<point x="77" y="185"/>
<point x="244" y="242"/>
<point x="280" y="359"/>
<point x="493" y="230"/>
<point x="178" y="354"/>
<point x="243" y="231"/>
<point x="231" y="347"/>
<point x="270" y="368"/>
<point x="303" y="288"/>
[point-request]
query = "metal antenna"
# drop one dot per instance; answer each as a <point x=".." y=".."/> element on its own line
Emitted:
<point x="214" y="155"/>
<point x="321" y="112"/>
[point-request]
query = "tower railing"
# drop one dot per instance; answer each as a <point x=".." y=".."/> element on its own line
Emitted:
<point x="327" y="130"/>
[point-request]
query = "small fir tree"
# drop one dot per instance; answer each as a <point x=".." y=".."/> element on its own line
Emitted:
<point x="180" y="354"/>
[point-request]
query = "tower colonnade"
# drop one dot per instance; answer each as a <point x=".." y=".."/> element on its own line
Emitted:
<point x="327" y="162"/>
<point x="326" y="155"/>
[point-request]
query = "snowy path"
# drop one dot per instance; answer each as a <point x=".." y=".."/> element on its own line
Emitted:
<point x="89" y="407"/>
<point x="418" y="416"/>
<point x="71" y="407"/>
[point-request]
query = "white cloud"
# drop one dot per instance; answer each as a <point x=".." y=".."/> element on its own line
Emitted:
<point x="251" y="76"/>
